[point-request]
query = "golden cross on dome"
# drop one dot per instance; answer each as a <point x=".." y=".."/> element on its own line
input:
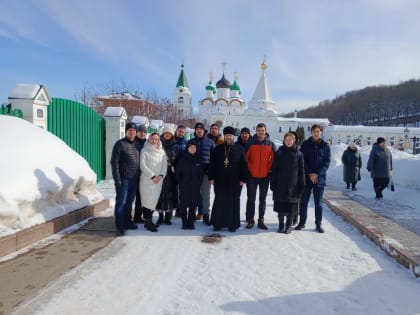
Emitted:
<point x="224" y="63"/>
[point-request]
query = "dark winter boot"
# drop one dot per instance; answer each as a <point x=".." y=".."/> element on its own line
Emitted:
<point x="288" y="228"/>
<point x="160" y="219"/>
<point x="150" y="226"/>
<point x="178" y="213"/>
<point x="295" y="219"/>
<point x="261" y="224"/>
<point x="319" y="228"/>
<point x="300" y="226"/>
<point x="348" y="185"/>
<point x="206" y="219"/>
<point x="184" y="221"/>
<point x="250" y="223"/>
<point x="281" y="224"/>
<point x="191" y="219"/>
<point x="168" y="217"/>
<point x="353" y="186"/>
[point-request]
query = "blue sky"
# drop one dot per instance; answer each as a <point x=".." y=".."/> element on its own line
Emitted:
<point x="315" y="50"/>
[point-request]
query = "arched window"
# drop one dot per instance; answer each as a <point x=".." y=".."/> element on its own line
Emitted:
<point x="180" y="100"/>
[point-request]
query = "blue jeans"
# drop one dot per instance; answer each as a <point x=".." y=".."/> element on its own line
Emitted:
<point x="251" y="186"/>
<point x="124" y="201"/>
<point x="318" y="193"/>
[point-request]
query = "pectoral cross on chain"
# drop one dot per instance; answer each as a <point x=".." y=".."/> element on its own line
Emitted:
<point x="226" y="161"/>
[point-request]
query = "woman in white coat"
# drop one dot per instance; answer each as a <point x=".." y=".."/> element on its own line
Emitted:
<point x="153" y="168"/>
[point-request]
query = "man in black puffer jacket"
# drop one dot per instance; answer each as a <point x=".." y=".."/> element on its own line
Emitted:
<point x="125" y="162"/>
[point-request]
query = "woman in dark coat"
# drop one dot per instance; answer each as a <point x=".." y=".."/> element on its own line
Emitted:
<point x="227" y="172"/>
<point x="189" y="175"/>
<point x="352" y="162"/>
<point x="168" y="199"/>
<point x="380" y="166"/>
<point x="287" y="181"/>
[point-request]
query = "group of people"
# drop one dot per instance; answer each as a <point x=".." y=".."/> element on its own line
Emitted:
<point x="379" y="165"/>
<point x="166" y="173"/>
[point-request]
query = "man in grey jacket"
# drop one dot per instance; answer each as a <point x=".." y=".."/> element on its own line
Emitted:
<point x="125" y="162"/>
<point x="380" y="166"/>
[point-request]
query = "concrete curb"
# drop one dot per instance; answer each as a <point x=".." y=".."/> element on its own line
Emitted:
<point x="395" y="240"/>
<point x="14" y="242"/>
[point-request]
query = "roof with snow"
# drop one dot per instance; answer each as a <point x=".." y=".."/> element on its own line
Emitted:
<point x="123" y="96"/>
<point x="115" y="112"/>
<point x="29" y="92"/>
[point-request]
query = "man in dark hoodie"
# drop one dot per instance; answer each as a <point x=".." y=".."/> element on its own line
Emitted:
<point x="380" y="166"/>
<point x="125" y="162"/>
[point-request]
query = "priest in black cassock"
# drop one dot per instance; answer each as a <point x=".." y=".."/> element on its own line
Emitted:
<point x="227" y="173"/>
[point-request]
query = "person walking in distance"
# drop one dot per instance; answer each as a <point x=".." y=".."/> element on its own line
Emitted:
<point x="125" y="163"/>
<point x="260" y="157"/>
<point x="317" y="157"/>
<point x="380" y="166"/>
<point x="352" y="162"/>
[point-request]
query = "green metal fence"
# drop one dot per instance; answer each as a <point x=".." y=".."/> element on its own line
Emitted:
<point x="82" y="129"/>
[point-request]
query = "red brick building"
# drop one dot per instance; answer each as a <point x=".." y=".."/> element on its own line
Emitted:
<point x="134" y="105"/>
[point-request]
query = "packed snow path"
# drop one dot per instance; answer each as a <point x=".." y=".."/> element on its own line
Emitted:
<point x="248" y="272"/>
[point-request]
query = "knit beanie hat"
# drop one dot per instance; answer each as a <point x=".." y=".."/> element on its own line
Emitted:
<point x="130" y="125"/>
<point x="246" y="129"/>
<point x="199" y="125"/>
<point x="380" y="140"/>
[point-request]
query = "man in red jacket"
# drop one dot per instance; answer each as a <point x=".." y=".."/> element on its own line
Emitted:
<point x="260" y="156"/>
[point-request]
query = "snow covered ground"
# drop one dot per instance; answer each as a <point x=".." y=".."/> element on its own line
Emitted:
<point x="248" y="272"/>
<point x="41" y="177"/>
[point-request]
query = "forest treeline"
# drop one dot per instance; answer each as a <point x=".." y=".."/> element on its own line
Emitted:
<point x="383" y="105"/>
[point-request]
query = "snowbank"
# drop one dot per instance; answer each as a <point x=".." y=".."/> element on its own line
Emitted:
<point x="41" y="177"/>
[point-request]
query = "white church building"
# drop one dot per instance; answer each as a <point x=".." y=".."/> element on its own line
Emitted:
<point x="223" y="103"/>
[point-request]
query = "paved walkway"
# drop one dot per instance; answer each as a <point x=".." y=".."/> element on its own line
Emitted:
<point x="26" y="274"/>
<point x="23" y="276"/>
<point x="399" y="239"/>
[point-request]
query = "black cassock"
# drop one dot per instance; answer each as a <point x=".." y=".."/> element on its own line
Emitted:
<point x="227" y="168"/>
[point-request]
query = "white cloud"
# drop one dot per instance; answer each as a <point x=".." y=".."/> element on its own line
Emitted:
<point x="315" y="50"/>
